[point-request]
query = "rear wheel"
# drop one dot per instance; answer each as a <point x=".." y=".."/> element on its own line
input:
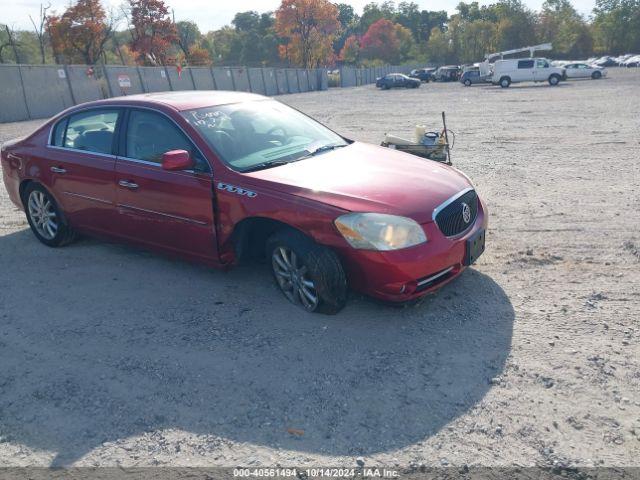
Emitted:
<point x="45" y="217"/>
<point x="309" y="275"/>
<point x="505" y="82"/>
<point x="596" y="75"/>
<point x="554" y="80"/>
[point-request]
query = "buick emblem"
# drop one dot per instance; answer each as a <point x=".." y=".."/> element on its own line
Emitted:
<point x="466" y="213"/>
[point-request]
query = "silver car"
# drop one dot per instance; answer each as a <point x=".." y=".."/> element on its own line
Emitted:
<point x="583" y="70"/>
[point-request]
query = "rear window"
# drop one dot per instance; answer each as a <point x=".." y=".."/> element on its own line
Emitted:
<point x="92" y="131"/>
<point x="525" y="64"/>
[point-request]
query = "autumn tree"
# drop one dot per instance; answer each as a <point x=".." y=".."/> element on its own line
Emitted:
<point x="308" y="28"/>
<point x="351" y="51"/>
<point x="152" y="31"/>
<point x="386" y="41"/>
<point x="81" y="33"/>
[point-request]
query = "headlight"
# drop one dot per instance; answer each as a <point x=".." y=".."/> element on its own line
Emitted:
<point x="378" y="231"/>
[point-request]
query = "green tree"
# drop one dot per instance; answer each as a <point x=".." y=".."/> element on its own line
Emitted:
<point x="617" y="26"/>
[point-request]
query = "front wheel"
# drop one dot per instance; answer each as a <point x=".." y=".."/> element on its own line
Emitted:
<point x="554" y="80"/>
<point x="467" y="83"/>
<point x="45" y="217"/>
<point x="505" y="82"/>
<point x="596" y="75"/>
<point x="309" y="275"/>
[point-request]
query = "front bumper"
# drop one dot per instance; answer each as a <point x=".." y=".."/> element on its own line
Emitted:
<point x="403" y="275"/>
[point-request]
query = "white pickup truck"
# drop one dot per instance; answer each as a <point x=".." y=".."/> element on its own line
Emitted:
<point x="506" y="72"/>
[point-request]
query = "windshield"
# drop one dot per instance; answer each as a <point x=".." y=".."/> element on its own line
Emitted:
<point x="261" y="134"/>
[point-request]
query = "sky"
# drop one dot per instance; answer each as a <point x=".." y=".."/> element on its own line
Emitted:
<point x="213" y="14"/>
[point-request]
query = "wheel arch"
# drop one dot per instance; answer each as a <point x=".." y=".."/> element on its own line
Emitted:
<point x="250" y="235"/>
<point x="22" y="189"/>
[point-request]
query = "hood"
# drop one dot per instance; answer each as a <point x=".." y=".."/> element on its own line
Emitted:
<point x="367" y="178"/>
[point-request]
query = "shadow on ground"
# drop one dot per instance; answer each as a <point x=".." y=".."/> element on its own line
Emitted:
<point x="101" y="342"/>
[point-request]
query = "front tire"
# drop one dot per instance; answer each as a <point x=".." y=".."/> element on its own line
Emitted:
<point x="309" y="275"/>
<point x="596" y="75"/>
<point x="505" y="82"/>
<point x="45" y="217"/>
<point x="554" y="80"/>
<point x="467" y="83"/>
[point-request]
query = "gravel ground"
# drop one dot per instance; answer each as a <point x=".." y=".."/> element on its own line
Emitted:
<point x="112" y="356"/>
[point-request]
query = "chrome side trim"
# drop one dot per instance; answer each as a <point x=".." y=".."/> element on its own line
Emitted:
<point x="155" y="164"/>
<point x="87" y="152"/>
<point x="87" y="197"/>
<point x="448" y="202"/>
<point x="175" y="217"/>
<point x="434" y="277"/>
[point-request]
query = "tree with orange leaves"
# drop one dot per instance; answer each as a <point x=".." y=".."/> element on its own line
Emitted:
<point x="152" y="31"/>
<point x="385" y="40"/>
<point x="308" y="28"/>
<point x="351" y="50"/>
<point x="81" y="32"/>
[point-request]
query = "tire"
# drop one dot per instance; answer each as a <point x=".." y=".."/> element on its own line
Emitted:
<point x="317" y="269"/>
<point x="554" y="80"/>
<point x="505" y="82"/>
<point x="41" y="207"/>
<point x="467" y="83"/>
<point x="596" y="75"/>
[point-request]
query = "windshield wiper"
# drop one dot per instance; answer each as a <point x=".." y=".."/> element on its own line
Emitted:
<point x="264" y="165"/>
<point x="322" y="149"/>
<point x="277" y="163"/>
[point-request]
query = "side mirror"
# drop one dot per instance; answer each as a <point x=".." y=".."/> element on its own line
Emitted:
<point x="177" y="160"/>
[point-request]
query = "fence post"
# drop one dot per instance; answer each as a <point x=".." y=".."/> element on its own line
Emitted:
<point x="66" y="74"/>
<point x="166" y="72"/>
<point x="213" y="78"/>
<point x="193" y="82"/>
<point x="106" y="77"/>
<point x="24" y="92"/>
<point x="233" y="80"/>
<point x="142" y="85"/>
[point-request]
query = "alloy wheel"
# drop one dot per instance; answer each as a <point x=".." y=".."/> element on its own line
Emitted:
<point x="293" y="278"/>
<point x="43" y="215"/>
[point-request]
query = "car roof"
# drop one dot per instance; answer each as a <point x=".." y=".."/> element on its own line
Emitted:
<point x="184" y="100"/>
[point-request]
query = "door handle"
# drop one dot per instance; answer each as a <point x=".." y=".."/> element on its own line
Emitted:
<point x="59" y="170"/>
<point x="127" y="184"/>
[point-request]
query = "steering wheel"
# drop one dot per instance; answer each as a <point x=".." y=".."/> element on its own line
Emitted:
<point x="225" y="143"/>
<point x="272" y="131"/>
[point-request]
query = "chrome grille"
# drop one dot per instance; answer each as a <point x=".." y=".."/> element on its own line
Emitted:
<point x="457" y="214"/>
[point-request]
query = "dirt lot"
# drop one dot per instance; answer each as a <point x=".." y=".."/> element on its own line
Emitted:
<point x="113" y="356"/>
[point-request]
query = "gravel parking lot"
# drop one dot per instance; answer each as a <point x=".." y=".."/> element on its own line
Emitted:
<point x="111" y="356"/>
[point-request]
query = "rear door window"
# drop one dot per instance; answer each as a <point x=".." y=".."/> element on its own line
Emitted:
<point x="91" y="131"/>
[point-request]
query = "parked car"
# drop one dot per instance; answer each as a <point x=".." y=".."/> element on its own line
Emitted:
<point x="397" y="80"/>
<point x="633" y="61"/>
<point x="470" y="77"/>
<point x="215" y="177"/>
<point x="606" y="61"/>
<point x="423" y="74"/>
<point x="447" y="73"/>
<point x="506" y="72"/>
<point x="582" y="70"/>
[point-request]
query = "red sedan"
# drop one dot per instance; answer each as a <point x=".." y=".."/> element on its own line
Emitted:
<point x="215" y="177"/>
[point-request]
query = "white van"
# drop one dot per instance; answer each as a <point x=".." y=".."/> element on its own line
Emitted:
<point x="506" y="72"/>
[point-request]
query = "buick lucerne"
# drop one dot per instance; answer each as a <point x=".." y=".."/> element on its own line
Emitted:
<point x="216" y="177"/>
